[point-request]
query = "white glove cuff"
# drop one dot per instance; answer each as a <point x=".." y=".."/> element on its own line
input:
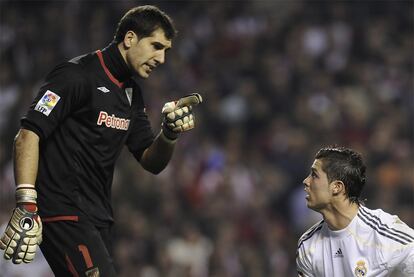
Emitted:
<point x="26" y="193"/>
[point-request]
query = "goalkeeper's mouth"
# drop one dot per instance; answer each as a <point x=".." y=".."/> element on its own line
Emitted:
<point x="148" y="68"/>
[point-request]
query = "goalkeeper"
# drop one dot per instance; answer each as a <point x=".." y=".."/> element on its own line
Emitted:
<point x="65" y="151"/>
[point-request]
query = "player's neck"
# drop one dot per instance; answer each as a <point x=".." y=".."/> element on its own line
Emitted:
<point x="339" y="215"/>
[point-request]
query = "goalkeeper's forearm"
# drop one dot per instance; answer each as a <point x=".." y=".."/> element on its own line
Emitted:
<point x="177" y="118"/>
<point x="26" y="157"/>
<point x="24" y="230"/>
<point x="156" y="157"/>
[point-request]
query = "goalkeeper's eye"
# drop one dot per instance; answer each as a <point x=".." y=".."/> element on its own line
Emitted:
<point x="158" y="46"/>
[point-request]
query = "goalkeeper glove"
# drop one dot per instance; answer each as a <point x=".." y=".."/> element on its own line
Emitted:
<point x="178" y="115"/>
<point x="24" y="231"/>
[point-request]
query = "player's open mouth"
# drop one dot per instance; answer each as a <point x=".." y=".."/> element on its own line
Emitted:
<point x="307" y="196"/>
<point x="148" y="68"/>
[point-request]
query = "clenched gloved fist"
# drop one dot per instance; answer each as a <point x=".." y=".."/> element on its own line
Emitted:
<point x="178" y="115"/>
<point x="24" y="231"/>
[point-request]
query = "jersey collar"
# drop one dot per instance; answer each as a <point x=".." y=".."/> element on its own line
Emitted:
<point x="113" y="64"/>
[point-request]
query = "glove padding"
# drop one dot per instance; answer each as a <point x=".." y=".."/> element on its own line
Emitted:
<point x="178" y="115"/>
<point x="23" y="232"/>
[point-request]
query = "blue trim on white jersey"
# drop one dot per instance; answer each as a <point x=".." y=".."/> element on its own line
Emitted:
<point x="366" y="212"/>
<point x="308" y="234"/>
<point x="375" y="223"/>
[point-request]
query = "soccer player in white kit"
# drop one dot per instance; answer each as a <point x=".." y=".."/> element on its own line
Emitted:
<point x="351" y="240"/>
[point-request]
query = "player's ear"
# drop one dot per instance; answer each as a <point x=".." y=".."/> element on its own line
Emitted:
<point x="129" y="39"/>
<point x="338" y="187"/>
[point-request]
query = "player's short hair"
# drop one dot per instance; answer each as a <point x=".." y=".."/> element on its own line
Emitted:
<point x="346" y="165"/>
<point x="144" y="20"/>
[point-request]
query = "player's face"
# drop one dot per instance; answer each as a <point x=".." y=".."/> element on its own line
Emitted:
<point x="317" y="187"/>
<point x="145" y="54"/>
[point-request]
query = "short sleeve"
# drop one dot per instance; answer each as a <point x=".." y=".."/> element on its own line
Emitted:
<point x="141" y="135"/>
<point x="63" y="92"/>
<point x="407" y="265"/>
<point x="404" y="258"/>
<point x="303" y="264"/>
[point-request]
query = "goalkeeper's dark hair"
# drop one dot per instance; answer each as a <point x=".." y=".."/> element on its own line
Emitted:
<point x="346" y="165"/>
<point x="144" y="20"/>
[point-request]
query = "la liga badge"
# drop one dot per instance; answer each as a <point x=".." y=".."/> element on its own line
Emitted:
<point x="47" y="103"/>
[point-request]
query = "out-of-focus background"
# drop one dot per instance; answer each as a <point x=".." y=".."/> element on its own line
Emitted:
<point x="280" y="79"/>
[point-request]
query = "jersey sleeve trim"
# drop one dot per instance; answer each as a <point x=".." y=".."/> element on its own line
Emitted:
<point x="60" y="218"/>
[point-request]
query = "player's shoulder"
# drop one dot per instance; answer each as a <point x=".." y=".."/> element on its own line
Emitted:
<point x="381" y="217"/>
<point x="70" y="71"/>
<point x="66" y="70"/>
<point x="387" y="225"/>
<point x="310" y="233"/>
<point x="378" y="215"/>
<point x="82" y="60"/>
<point x="77" y="65"/>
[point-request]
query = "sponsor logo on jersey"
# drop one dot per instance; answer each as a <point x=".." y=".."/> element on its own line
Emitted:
<point x="338" y="253"/>
<point x="361" y="269"/>
<point x="47" y="103"/>
<point x="111" y="121"/>
<point x="103" y="89"/>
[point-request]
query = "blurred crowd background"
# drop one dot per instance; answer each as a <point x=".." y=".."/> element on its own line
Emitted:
<point x="280" y="79"/>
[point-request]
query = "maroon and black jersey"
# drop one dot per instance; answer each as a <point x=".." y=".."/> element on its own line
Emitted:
<point x="85" y="112"/>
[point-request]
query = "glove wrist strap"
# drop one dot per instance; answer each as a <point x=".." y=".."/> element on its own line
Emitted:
<point x="26" y="193"/>
<point x="167" y="139"/>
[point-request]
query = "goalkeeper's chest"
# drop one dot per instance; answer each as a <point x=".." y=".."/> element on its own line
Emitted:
<point x="110" y="108"/>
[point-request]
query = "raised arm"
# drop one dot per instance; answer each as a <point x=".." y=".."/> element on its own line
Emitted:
<point x="177" y="118"/>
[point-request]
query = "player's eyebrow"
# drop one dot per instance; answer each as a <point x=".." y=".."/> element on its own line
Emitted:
<point x="160" y="46"/>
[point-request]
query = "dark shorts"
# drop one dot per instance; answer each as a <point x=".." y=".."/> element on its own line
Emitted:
<point x="73" y="246"/>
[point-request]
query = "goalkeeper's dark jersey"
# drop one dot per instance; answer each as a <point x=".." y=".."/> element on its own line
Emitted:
<point x="85" y="112"/>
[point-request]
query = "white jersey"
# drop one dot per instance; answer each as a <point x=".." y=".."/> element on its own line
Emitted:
<point x="374" y="244"/>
